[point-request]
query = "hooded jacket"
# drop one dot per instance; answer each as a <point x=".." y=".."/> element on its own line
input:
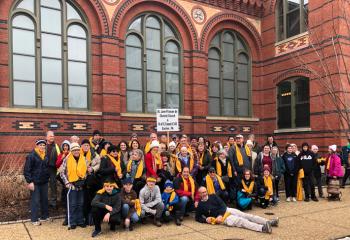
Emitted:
<point x="307" y="161"/>
<point x="35" y="169"/>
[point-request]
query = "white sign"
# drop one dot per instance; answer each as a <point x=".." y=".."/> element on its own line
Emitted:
<point x="167" y="120"/>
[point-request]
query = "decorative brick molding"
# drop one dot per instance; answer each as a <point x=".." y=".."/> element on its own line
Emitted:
<point x="292" y="44"/>
<point x="27" y="125"/>
<point x="80" y="126"/>
<point x="292" y="73"/>
<point x="102" y="13"/>
<point x="127" y="5"/>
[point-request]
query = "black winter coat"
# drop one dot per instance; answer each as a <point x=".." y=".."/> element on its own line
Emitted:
<point x="114" y="200"/>
<point x="35" y="169"/>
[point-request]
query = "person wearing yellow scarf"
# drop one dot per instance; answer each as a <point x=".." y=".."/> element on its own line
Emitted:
<point x="180" y="163"/>
<point x="41" y="153"/>
<point x="111" y="166"/>
<point x="223" y="165"/>
<point x="152" y="137"/>
<point x="131" y="206"/>
<point x="136" y="160"/>
<point x="239" y="156"/>
<point x="212" y="180"/>
<point x="171" y="203"/>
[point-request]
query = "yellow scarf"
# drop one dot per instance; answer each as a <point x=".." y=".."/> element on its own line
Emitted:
<point x="76" y="170"/>
<point x="172" y="197"/>
<point x="213" y="220"/>
<point x="250" y="188"/>
<point x="268" y="184"/>
<point x="138" y="207"/>
<point x="178" y="164"/>
<point x="116" y="164"/>
<point x="147" y="147"/>
<point x="239" y="154"/>
<point x="41" y="154"/>
<point x="300" y="185"/>
<point x="103" y="153"/>
<point x="219" y="170"/>
<point x="88" y="155"/>
<point x="328" y="162"/>
<point x="139" y="170"/>
<point x="91" y="143"/>
<point x="201" y="158"/>
<point x="210" y="184"/>
<point x="186" y="185"/>
<point x="101" y="191"/>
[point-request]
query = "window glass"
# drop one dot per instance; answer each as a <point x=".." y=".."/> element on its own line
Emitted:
<point x="51" y="70"/>
<point x="27" y="5"/>
<point x="51" y="45"/>
<point x="214" y="106"/>
<point x="134" y="105"/>
<point x="22" y="21"/>
<point x="23" y="68"/>
<point x="23" y="93"/>
<point x="77" y="97"/>
<point x="23" y="41"/>
<point x="52" y="95"/>
<point x="229" y="107"/>
<point x="76" y="49"/>
<point x="136" y="25"/>
<point x="72" y="13"/>
<point x="50" y="20"/>
<point x="76" y="31"/>
<point x="51" y="3"/>
<point x="153" y="101"/>
<point x="77" y="73"/>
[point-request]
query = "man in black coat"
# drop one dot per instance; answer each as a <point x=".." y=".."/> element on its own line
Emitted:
<point x="106" y="207"/>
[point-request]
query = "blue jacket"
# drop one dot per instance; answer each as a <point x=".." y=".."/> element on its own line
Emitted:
<point x="166" y="198"/>
<point x="35" y="169"/>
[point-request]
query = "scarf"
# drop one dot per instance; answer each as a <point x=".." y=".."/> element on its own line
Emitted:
<point x="201" y="158"/>
<point x="116" y="164"/>
<point x="147" y="147"/>
<point x="219" y="170"/>
<point x="40" y="154"/>
<point x="102" y="191"/>
<point x="239" y="154"/>
<point x="103" y="153"/>
<point x="300" y="185"/>
<point x="87" y="155"/>
<point x="92" y="143"/>
<point x="171" y="198"/>
<point x="268" y="184"/>
<point x="76" y="170"/>
<point x="139" y="170"/>
<point x="179" y="166"/>
<point x="210" y="184"/>
<point x="186" y="185"/>
<point x="250" y="188"/>
<point x="138" y="207"/>
<point x="213" y="220"/>
<point x="157" y="162"/>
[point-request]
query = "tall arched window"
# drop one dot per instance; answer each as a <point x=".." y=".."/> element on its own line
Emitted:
<point x="293" y="103"/>
<point x="229" y="75"/>
<point x="49" y="42"/>
<point x="292" y="18"/>
<point x="153" y="65"/>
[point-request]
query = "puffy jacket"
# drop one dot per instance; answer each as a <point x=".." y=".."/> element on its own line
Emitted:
<point x="335" y="169"/>
<point x="35" y="169"/>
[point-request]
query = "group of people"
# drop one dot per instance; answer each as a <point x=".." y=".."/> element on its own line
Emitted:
<point x="166" y="180"/>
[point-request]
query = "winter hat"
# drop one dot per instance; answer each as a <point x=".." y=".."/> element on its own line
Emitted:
<point x="172" y="144"/>
<point x="221" y="151"/>
<point x="211" y="169"/>
<point x="333" y="147"/>
<point x="127" y="180"/>
<point x="314" y="147"/>
<point x="168" y="183"/>
<point x="305" y="144"/>
<point x="112" y="148"/>
<point x="65" y="142"/>
<point x="85" y="141"/>
<point x="151" y="179"/>
<point x="154" y="143"/>
<point x="239" y="136"/>
<point x="40" y="141"/>
<point x="249" y="142"/>
<point x="74" y="146"/>
<point x="96" y="132"/>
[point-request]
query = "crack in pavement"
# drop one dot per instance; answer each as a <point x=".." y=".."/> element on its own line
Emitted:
<point x="30" y="236"/>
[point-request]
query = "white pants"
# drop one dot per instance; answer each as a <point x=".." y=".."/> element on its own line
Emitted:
<point x="244" y="220"/>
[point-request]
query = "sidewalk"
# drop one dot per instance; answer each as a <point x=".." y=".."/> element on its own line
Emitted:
<point x="301" y="220"/>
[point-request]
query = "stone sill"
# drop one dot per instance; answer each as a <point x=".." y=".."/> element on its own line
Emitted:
<point x="149" y="115"/>
<point x="291" y="130"/>
<point x="291" y="38"/>
<point x="49" y="111"/>
<point x="247" y="119"/>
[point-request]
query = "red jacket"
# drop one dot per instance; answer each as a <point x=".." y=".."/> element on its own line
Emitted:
<point x="59" y="160"/>
<point x="179" y="189"/>
<point x="149" y="161"/>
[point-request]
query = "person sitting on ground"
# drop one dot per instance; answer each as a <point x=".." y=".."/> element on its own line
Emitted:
<point x="247" y="191"/>
<point x="215" y="185"/>
<point x="130" y="209"/>
<point x="212" y="210"/>
<point x="151" y="201"/>
<point x="106" y="207"/>
<point x="36" y="174"/>
<point x="171" y="203"/>
<point x="265" y="188"/>
<point x="186" y="189"/>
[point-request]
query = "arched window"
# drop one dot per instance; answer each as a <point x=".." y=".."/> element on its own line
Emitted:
<point x="292" y="18"/>
<point x="293" y="103"/>
<point x="229" y="75"/>
<point x="153" y="65"/>
<point x="49" y="42"/>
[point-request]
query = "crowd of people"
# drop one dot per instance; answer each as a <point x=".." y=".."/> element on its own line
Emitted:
<point x="165" y="180"/>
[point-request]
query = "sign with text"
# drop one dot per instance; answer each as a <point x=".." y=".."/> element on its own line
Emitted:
<point x="167" y="120"/>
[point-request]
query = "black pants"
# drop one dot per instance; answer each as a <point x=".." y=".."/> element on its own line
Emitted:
<point x="89" y="194"/>
<point x="138" y="185"/>
<point x="174" y="214"/>
<point x="275" y="185"/>
<point x="290" y="184"/>
<point x="308" y="185"/>
<point x="346" y="176"/>
<point x="98" y="215"/>
<point x="53" y="186"/>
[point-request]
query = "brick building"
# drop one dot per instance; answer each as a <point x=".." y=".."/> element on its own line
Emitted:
<point x="229" y="66"/>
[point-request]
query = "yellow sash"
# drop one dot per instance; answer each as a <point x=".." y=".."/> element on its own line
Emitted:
<point x="213" y="220"/>
<point x="186" y="185"/>
<point x="210" y="184"/>
<point x="76" y="171"/>
<point x="116" y="164"/>
<point x="249" y="189"/>
<point x="219" y="170"/>
<point x="103" y="153"/>
<point x="178" y="164"/>
<point x="138" y="207"/>
<point x="268" y="184"/>
<point x="239" y="154"/>
<point x="172" y="197"/>
<point x="201" y="159"/>
<point x="41" y="154"/>
<point x="147" y="147"/>
<point x="300" y="185"/>
<point x="88" y="155"/>
<point x="58" y="150"/>
<point x="91" y="143"/>
<point x="139" y="170"/>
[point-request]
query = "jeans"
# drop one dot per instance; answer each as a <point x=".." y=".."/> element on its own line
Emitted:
<point x="291" y="184"/>
<point x="39" y="199"/>
<point x="133" y="217"/>
<point x="53" y="186"/>
<point x="185" y="203"/>
<point x="75" y="202"/>
<point x="98" y="215"/>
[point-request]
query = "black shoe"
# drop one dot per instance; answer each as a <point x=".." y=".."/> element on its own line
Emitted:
<point x="307" y="200"/>
<point x="83" y="225"/>
<point x="72" y="227"/>
<point x="186" y="215"/>
<point x="177" y="222"/>
<point x="267" y="228"/>
<point x="65" y="223"/>
<point x="342" y="186"/>
<point x="157" y="222"/>
<point x="314" y="199"/>
<point x="112" y="227"/>
<point x="131" y="227"/>
<point x="181" y="218"/>
<point x="95" y="233"/>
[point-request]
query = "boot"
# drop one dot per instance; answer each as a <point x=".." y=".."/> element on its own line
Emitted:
<point x="157" y="222"/>
<point x="177" y="218"/>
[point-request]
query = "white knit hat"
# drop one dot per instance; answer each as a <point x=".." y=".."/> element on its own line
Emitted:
<point x="172" y="144"/>
<point x="333" y="147"/>
<point x="154" y="143"/>
<point x="249" y="142"/>
<point x="74" y="146"/>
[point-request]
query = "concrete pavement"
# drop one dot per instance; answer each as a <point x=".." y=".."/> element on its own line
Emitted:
<point x="301" y="220"/>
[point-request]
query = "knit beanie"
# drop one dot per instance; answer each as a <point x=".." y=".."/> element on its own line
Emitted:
<point x="168" y="183"/>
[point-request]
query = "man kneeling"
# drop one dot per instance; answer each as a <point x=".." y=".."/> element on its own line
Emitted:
<point x="211" y="209"/>
<point x="106" y="206"/>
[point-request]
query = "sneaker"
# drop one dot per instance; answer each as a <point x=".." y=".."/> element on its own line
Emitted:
<point x="274" y="222"/>
<point x="294" y="199"/>
<point x="288" y="199"/>
<point x="72" y="227"/>
<point x="307" y="199"/>
<point x="45" y="219"/>
<point x="177" y="222"/>
<point x="267" y="228"/>
<point x="314" y="199"/>
<point x="277" y="199"/>
<point x="37" y="223"/>
<point x="95" y="233"/>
